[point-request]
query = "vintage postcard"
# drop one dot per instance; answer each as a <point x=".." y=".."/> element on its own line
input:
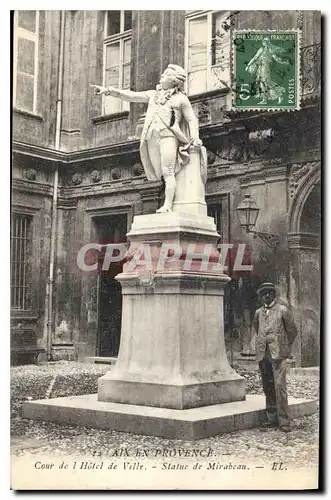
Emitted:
<point x="165" y="250"/>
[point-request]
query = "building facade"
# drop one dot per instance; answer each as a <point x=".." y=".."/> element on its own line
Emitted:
<point x="77" y="176"/>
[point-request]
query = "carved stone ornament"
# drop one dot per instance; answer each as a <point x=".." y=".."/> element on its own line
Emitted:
<point x="146" y="279"/>
<point x="116" y="174"/>
<point x="235" y="152"/>
<point x="95" y="176"/>
<point x="30" y="174"/>
<point x="204" y="112"/>
<point x="298" y="172"/>
<point x="211" y="157"/>
<point x="77" y="179"/>
<point x="137" y="170"/>
<point x="311" y="69"/>
<point x="261" y="135"/>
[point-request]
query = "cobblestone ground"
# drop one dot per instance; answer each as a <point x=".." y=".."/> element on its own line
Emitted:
<point x="298" y="448"/>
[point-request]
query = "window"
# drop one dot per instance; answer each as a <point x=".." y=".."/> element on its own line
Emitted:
<point x="207" y="51"/>
<point x="21" y="243"/>
<point x="218" y="207"/>
<point x="117" y="57"/>
<point x="217" y="213"/>
<point x="26" y="25"/>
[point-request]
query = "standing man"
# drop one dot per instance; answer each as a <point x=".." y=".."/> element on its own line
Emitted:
<point x="276" y="331"/>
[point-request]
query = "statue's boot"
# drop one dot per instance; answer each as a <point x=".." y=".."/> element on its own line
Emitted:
<point x="163" y="210"/>
<point x="169" y="195"/>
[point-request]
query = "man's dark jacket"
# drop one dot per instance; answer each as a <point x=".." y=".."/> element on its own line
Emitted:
<point x="277" y="329"/>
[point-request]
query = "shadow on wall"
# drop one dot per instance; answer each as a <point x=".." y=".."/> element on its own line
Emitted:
<point x="310" y="348"/>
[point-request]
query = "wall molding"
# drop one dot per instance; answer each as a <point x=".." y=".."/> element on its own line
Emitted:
<point x="112" y="210"/>
<point x="300" y="241"/>
<point x="122" y="115"/>
<point x="24" y="209"/>
<point x="109" y="188"/>
<point x="119" y="149"/>
<point x="28" y="114"/>
<point x="32" y="187"/>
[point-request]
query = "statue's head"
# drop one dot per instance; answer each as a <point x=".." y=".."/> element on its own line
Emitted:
<point x="265" y="42"/>
<point x="173" y="76"/>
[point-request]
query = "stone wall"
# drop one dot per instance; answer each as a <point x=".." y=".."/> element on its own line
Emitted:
<point x="32" y="195"/>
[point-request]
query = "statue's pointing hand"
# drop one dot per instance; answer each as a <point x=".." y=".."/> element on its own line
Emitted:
<point x="99" y="89"/>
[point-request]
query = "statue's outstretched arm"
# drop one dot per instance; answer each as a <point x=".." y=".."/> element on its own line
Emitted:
<point x="125" y="95"/>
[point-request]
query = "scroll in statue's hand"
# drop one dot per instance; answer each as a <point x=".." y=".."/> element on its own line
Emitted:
<point x="196" y="142"/>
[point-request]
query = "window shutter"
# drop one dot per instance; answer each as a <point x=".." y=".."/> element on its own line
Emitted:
<point x="197" y="55"/>
<point x="117" y="59"/>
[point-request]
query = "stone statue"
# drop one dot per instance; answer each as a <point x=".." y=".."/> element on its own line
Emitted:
<point x="170" y="129"/>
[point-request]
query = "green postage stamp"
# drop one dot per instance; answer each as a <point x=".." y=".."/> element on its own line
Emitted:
<point x="266" y="69"/>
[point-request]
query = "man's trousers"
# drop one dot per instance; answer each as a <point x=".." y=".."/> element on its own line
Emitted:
<point x="273" y="374"/>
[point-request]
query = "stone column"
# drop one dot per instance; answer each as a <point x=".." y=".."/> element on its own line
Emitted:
<point x="190" y="189"/>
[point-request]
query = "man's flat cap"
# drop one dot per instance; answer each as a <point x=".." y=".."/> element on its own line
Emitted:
<point x="266" y="286"/>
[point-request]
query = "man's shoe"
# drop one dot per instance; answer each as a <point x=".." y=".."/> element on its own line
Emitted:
<point x="267" y="425"/>
<point x="285" y="428"/>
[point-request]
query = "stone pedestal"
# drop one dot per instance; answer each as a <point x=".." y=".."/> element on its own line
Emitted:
<point x="172" y="352"/>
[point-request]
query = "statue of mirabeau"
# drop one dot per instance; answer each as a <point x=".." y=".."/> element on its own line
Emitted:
<point x="170" y="129"/>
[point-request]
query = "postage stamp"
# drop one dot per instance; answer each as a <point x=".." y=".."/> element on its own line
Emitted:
<point x="266" y="69"/>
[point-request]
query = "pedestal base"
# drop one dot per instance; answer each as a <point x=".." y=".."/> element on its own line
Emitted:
<point x="172" y="352"/>
<point x="170" y="396"/>
<point x="191" y="424"/>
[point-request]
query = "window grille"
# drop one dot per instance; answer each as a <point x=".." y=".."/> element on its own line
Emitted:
<point x="20" y="260"/>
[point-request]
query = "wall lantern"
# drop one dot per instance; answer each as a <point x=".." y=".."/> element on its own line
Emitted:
<point x="248" y="212"/>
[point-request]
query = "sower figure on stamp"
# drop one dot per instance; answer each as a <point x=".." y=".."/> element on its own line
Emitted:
<point x="170" y="128"/>
<point x="260" y="66"/>
<point x="276" y="331"/>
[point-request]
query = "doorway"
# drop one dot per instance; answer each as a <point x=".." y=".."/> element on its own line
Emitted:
<point x="109" y="229"/>
<point x="309" y="277"/>
<point x="305" y="245"/>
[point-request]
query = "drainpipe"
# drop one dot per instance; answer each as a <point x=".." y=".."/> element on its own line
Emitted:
<point x="50" y="281"/>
